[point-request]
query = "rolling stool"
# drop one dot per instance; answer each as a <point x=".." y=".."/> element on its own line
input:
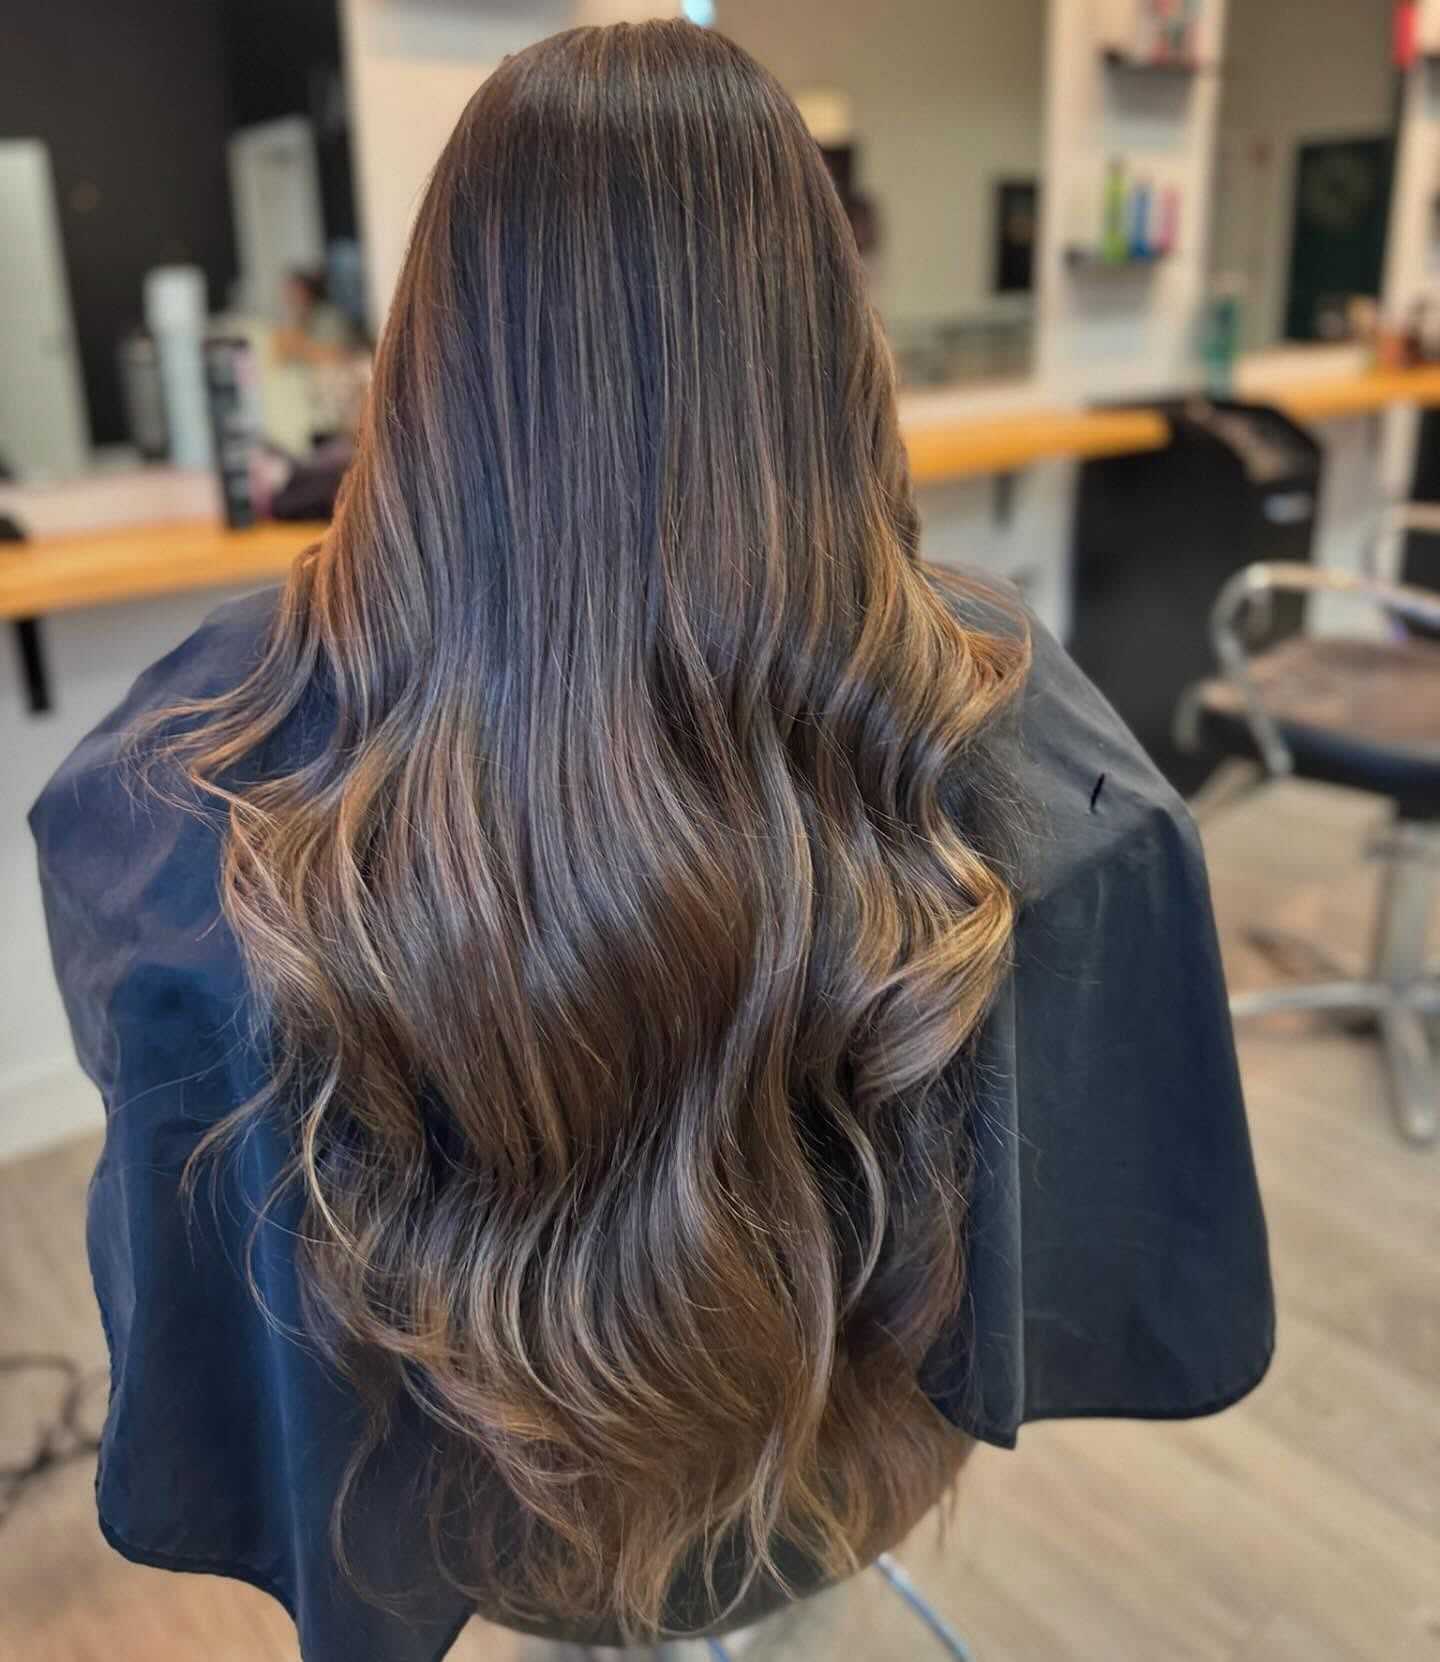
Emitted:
<point x="1363" y="713"/>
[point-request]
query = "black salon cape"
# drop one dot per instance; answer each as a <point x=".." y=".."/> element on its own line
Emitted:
<point x="1117" y="1248"/>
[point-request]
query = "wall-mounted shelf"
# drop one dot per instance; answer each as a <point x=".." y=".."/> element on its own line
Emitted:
<point x="1116" y="57"/>
<point x="1078" y="258"/>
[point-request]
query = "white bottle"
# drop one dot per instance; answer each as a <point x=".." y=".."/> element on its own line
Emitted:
<point x="175" y="313"/>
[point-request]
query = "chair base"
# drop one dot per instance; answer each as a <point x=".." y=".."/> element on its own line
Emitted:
<point x="1399" y="1000"/>
<point x="889" y="1567"/>
<point x="1405" y="1018"/>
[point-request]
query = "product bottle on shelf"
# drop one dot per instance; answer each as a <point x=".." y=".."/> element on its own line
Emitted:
<point x="234" y="423"/>
<point x="1114" y="244"/>
<point x="1220" y="337"/>
<point x="1140" y="244"/>
<point x="175" y="316"/>
<point x="1167" y="220"/>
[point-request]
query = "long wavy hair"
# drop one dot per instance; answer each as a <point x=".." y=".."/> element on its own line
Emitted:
<point x="617" y="941"/>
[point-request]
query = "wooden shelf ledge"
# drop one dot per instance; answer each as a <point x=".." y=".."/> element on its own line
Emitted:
<point x="966" y="449"/>
<point x="93" y="568"/>
<point x="1348" y="395"/>
<point x="97" y="568"/>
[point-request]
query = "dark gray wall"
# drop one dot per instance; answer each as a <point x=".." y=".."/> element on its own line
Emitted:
<point x="282" y="57"/>
<point x="130" y="97"/>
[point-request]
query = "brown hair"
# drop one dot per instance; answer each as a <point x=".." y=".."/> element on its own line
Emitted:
<point x="616" y="943"/>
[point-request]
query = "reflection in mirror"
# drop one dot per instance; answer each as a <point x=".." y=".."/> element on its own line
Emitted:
<point x="185" y="179"/>
<point x="930" y="114"/>
<point x="1304" y="162"/>
<point x="178" y="248"/>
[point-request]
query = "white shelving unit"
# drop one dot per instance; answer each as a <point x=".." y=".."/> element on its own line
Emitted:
<point x="1136" y="331"/>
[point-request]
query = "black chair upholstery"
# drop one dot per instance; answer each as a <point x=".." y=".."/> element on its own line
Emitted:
<point x="1362" y="713"/>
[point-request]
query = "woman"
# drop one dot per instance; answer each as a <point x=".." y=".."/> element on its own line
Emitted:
<point x="315" y="331"/>
<point x="567" y="933"/>
<point x="318" y="343"/>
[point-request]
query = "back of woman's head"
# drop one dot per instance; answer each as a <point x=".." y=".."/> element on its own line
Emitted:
<point x="616" y="944"/>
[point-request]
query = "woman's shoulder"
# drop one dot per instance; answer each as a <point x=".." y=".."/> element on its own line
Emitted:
<point x="211" y="659"/>
<point x="95" y="778"/>
<point x="129" y="873"/>
<point x="126" y="863"/>
<point x="1081" y="783"/>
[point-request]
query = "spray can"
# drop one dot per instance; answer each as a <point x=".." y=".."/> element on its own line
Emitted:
<point x="234" y="424"/>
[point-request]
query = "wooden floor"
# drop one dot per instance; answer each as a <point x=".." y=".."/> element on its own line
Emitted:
<point x="1302" y="1526"/>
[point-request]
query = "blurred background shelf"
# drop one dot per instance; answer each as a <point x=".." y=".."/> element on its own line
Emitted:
<point x="53" y="574"/>
<point x="1128" y="63"/>
<point x="1347" y="395"/>
<point x="60" y="573"/>
<point x="969" y="449"/>
<point x="1079" y="258"/>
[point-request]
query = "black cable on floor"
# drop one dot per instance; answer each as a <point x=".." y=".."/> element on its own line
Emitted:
<point x="63" y="1440"/>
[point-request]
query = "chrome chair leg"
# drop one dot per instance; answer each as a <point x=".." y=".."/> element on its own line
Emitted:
<point x="1231" y="783"/>
<point x="1402" y="939"/>
<point x="1400" y="998"/>
<point x="1412" y="1074"/>
<point x="890" y="1568"/>
<point x="656" y="1653"/>
<point x="906" y="1589"/>
<point x="1313" y="997"/>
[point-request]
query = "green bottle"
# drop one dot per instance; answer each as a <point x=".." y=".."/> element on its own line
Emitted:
<point x="1220" y="339"/>
<point x="1114" y="243"/>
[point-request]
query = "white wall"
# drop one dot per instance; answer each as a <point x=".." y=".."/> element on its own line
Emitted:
<point x="623" y="11"/>
<point x="1412" y="254"/>
<point x="1109" y="334"/>
<point x="411" y="67"/>
<point x="947" y="97"/>
<point x="1295" y="71"/>
<point x="279" y="225"/>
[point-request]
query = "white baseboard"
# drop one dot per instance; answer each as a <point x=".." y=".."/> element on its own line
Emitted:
<point x="44" y="1105"/>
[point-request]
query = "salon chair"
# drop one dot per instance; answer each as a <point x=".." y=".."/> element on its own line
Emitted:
<point x="1363" y="713"/>
<point x="1405" y="546"/>
<point x="737" y="1646"/>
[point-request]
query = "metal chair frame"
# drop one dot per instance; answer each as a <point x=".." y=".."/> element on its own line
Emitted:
<point x="896" y="1578"/>
<point x="1399" y="995"/>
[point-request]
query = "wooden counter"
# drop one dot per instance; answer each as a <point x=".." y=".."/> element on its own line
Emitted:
<point x="94" y="568"/>
<point x="1349" y="395"/>
<point x="54" y="573"/>
<point x="943" y="451"/>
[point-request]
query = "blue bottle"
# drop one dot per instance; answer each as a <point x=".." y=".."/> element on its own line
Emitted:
<point x="1139" y="240"/>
